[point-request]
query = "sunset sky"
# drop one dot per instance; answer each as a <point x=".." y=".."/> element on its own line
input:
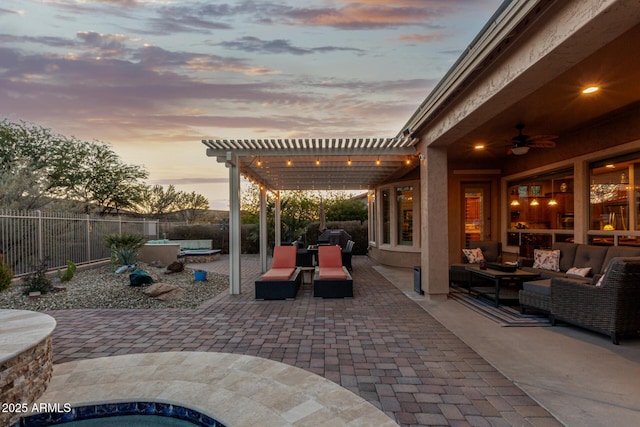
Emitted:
<point x="152" y="78"/>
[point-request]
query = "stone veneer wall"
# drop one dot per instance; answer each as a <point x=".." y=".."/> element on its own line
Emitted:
<point x="24" y="378"/>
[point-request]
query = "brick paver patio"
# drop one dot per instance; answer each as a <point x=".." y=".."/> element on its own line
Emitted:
<point x="380" y="345"/>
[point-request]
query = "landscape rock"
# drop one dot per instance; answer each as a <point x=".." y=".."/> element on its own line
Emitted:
<point x="175" y="267"/>
<point x="173" y="295"/>
<point x="158" y="289"/>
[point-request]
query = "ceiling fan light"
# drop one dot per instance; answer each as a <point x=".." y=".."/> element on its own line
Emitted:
<point x="518" y="151"/>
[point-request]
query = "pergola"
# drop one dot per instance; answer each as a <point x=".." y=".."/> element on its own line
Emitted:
<point x="303" y="164"/>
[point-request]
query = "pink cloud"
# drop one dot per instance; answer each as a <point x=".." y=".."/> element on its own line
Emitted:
<point x="422" y="38"/>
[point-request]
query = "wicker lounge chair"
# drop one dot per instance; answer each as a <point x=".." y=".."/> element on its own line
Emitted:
<point x="283" y="280"/>
<point x="347" y="254"/>
<point x="613" y="308"/>
<point x="332" y="279"/>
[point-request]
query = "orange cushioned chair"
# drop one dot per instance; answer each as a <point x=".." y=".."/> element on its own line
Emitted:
<point x="331" y="279"/>
<point x="283" y="280"/>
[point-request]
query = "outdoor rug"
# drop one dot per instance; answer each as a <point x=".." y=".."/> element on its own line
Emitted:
<point x="503" y="315"/>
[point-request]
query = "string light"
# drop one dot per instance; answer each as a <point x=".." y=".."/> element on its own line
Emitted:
<point x="259" y="162"/>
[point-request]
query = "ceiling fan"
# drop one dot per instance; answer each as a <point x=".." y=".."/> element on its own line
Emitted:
<point x="521" y="143"/>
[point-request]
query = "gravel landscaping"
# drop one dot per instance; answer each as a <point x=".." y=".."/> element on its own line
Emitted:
<point x="100" y="287"/>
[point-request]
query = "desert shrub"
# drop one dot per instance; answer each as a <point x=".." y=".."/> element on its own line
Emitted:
<point x="37" y="280"/>
<point x="124" y="240"/>
<point x="69" y="272"/>
<point x="6" y="275"/>
<point x="124" y="247"/>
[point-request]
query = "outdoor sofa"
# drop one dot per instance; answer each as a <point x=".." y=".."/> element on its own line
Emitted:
<point x="579" y="299"/>
<point x="331" y="279"/>
<point x="283" y="280"/>
<point x="491" y="252"/>
<point x="576" y="255"/>
<point x="611" y="306"/>
<point x="591" y="260"/>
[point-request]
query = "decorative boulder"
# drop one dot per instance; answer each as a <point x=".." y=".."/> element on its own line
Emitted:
<point x="174" y="267"/>
<point x="164" y="291"/>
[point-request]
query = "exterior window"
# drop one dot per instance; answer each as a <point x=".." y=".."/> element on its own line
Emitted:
<point x="542" y="203"/>
<point x="373" y="216"/>
<point x="386" y="217"/>
<point x="614" y="200"/>
<point x="404" y="206"/>
<point x="541" y="211"/>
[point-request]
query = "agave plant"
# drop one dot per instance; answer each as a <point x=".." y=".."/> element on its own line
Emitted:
<point x="127" y="256"/>
<point x="124" y="248"/>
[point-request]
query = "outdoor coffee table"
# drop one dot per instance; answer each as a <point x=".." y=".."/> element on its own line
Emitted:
<point x="499" y="279"/>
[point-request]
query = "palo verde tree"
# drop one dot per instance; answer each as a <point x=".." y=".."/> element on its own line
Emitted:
<point x="61" y="168"/>
<point x="191" y="206"/>
<point x="159" y="202"/>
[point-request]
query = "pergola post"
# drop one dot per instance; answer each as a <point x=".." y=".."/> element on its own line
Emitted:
<point x="263" y="229"/>
<point x="234" y="223"/>
<point x="277" y="224"/>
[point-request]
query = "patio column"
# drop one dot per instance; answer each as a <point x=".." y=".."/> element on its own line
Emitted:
<point x="276" y="221"/>
<point x="434" y="223"/>
<point x="263" y="229"/>
<point x="234" y="223"/>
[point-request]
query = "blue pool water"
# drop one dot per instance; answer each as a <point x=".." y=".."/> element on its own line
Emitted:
<point x="141" y="414"/>
<point x="131" y="420"/>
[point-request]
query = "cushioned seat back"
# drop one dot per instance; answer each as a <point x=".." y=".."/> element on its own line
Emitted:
<point x="284" y="257"/>
<point x="492" y="251"/>
<point x="619" y="252"/>
<point x="590" y="256"/>
<point x="329" y="256"/>
<point x="567" y="254"/>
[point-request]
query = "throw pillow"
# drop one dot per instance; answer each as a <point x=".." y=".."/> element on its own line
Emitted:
<point x="582" y="272"/>
<point x="474" y="256"/>
<point x="546" y="260"/>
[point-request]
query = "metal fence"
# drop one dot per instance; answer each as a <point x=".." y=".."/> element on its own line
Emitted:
<point x="28" y="237"/>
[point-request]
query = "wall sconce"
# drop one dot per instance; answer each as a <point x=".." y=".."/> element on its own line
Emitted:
<point x="378" y="161"/>
<point x="408" y="161"/>
<point x="515" y="202"/>
<point x="349" y="162"/>
<point x="317" y="162"/>
<point x="289" y="162"/>
<point x="534" y="202"/>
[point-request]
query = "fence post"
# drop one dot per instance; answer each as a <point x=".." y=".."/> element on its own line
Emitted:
<point x="40" y="248"/>
<point x="88" y="238"/>
<point x="119" y="225"/>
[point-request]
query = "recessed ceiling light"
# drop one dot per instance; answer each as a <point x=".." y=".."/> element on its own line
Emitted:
<point x="610" y="166"/>
<point x="479" y="146"/>
<point x="590" y="89"/>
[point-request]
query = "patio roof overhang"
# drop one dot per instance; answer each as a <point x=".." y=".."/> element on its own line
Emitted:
<point x="318" y="164"/>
